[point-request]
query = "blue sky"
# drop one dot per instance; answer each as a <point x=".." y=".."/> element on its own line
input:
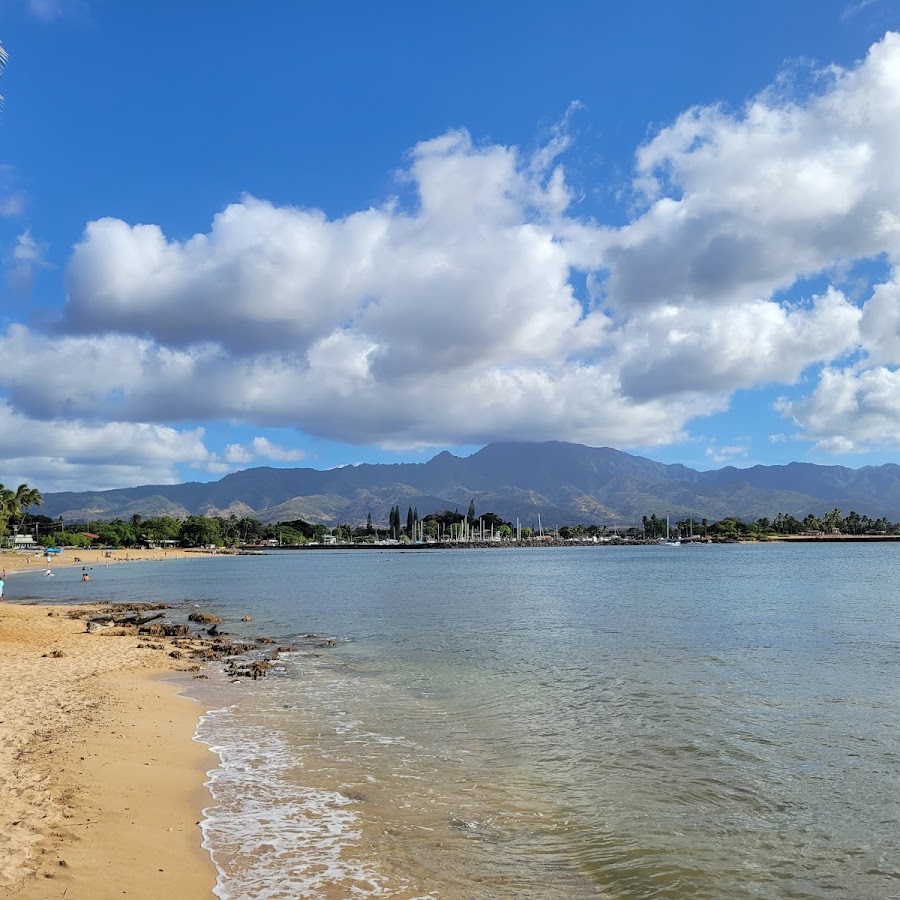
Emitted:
<point x="241" y="234"/>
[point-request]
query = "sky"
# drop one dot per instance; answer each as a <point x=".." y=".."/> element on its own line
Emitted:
<point x="320" y="234"/>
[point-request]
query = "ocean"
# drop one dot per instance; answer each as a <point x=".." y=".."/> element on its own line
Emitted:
<point x="676" y="722"/>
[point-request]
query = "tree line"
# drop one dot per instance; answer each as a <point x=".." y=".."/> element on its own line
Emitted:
<point x="234" y="531"/>
<point x="763" y="528"/>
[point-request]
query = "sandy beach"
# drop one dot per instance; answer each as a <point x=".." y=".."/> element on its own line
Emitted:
<point x="12" y="562"/>
<point x="101" y="780"/>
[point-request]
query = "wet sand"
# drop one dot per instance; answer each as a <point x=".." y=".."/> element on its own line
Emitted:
<point x="101" y="780"/>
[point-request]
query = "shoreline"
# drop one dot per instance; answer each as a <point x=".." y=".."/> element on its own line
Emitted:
<point x="98" y="759"/>
<point x="17" y="561"/>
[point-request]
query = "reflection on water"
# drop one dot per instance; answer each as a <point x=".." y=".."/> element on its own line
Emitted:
<point x="645" y="722"/>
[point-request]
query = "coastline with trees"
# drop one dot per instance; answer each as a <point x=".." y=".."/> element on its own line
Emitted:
<point x="437" y="529"/>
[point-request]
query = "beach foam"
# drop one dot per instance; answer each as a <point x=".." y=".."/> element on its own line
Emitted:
<point x="272" y="837"/>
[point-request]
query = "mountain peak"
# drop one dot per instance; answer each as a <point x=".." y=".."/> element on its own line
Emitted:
<point x="563" y="482"/>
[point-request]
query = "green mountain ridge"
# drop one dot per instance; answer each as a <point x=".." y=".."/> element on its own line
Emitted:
<point x="563" y="483"/>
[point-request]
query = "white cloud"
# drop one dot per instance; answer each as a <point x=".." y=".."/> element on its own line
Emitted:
<point x="672" y="350"/>
<point x="77" y="455"/>
<point x="12" y="205"/>
<point x="236" y="453"/>
<point x="880" y="323"/>
<point x="268" y="450"/>
<point x="26" y="257"/>
<point x="29" y="251"/>
<point x="849" y="409"/>
<point x="726" y="455"/>
<point x="133" y="379"/>
<point x="741" y="205"/>
<point x="458" y="321"/>
<point x="476" y="273"/>
<point x="260" y="448"/>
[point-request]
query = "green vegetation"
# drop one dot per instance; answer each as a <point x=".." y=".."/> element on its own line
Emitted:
<point x="232" y="531"/>
<point x="14" y="506"/>
<point x="733" y="528"/>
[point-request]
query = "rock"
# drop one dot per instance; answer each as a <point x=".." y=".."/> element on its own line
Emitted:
<point x="252" y="670"/>
<point x="139" y="607"/>
<point x="204" y="618"/>
<point x="157" y="630"/>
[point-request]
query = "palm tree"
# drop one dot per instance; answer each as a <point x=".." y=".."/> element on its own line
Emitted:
<point x="15" y="504"/>
<point x="26" y="497"/>
<point x="7" y="501"/>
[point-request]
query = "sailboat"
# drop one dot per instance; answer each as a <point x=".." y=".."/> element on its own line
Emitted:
<point x="668" y="542"/>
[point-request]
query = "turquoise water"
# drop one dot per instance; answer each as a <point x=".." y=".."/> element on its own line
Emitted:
<point x="622" y="722"/>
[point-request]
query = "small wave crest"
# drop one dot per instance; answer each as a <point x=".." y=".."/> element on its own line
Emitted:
<point x="270" y="836"/>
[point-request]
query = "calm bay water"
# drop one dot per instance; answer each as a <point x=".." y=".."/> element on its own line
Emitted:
<point x="621" y="722"/>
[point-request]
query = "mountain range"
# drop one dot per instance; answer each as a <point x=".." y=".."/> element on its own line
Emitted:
<point x="565" y="483"/>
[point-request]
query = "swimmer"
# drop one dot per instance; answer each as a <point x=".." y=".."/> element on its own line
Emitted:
<point x="85" y="577"/>
<point x="48" y="574"/>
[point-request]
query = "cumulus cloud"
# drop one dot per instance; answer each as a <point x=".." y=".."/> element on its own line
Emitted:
<point x="465" y="278"/>
<point x="849" y="410"/>
<point x="28" y="255"/>
<point x="742" y="204"/>
<point x="77" y="455"/>
<point x="726" y="455"/>
<point x="463" y="318"/>
<point x="672" y="349"/>
<point x="29" y="251"/>
<point x="266" y="449"/>
<point x="880" y="324"/>
<point x="260" y="448"/>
